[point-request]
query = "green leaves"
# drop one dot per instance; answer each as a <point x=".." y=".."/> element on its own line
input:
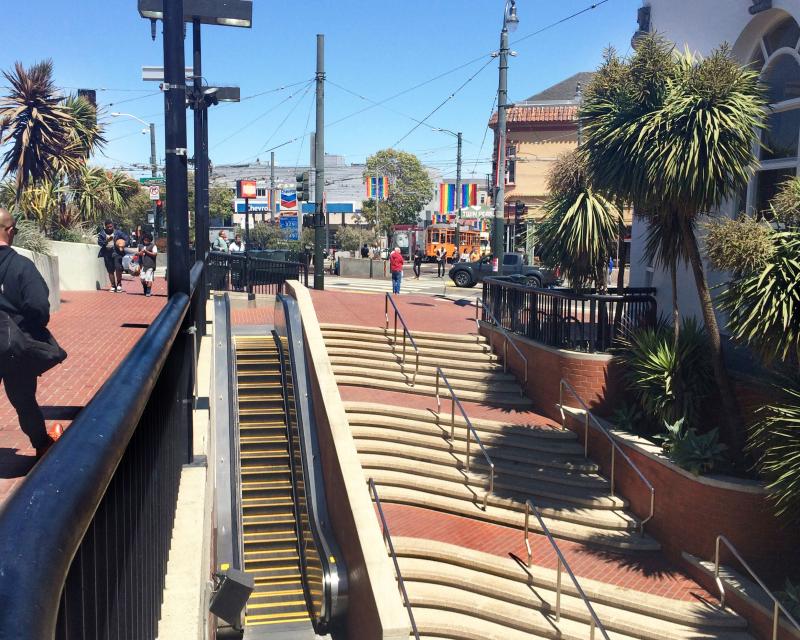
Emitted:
<point x="580" y="225"/>
<point x="698" y="454"/>
<point x="763" y="305"/>
<point x="775" y="440"/>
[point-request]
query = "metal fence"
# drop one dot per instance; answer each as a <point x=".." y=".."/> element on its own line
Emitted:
<point x="84" y="540"/>
<point x="565" y="319"/>
<point x="252" y="273"/>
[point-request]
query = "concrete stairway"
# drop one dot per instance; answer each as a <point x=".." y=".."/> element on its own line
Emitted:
<point x="408" y="454"/>
<point x="465" y="594"/>
<point x="368" y="357"/>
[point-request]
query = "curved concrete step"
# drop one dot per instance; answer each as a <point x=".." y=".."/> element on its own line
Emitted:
<point x="460" y="341"/>
<point x="477" y="565"/>
<point x="489" y="362"/>
<point x="440" y="352"/>
<point x="483" y="374"/>
<point x="603" y="520"/>
<point x="543" y="491"/>
<point x="523" y="439"/>
<point x="349" y="328"/>
<point x="506" y="400"/>
<point x="481" y="424"/>
<point x="469" y="507"/>
<point x="396" y="374"/>
<point x="510" y="470"/>
<point x="536" y="618"/>
<point x="438" y="442"/>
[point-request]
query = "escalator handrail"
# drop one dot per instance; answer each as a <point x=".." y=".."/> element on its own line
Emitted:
<point x="228" y="489"/>
<point x="334" y="572"/>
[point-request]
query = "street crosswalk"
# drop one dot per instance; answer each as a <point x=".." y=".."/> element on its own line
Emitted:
<point x="424" y="286"/>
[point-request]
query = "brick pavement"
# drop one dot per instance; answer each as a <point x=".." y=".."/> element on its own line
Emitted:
<point x="97" y="329"/>
<point x="645" y="572"/>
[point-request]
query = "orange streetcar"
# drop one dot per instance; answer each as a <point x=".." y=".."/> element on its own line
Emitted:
<point x="437" y="235"/>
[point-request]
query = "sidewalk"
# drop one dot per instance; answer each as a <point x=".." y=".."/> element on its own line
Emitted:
<point x="97" y="329"/>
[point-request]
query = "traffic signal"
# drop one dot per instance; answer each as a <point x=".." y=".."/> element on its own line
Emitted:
<point x="520" y="226"/>
<point x="303" y="186"/>
<point x="308" y="221"/>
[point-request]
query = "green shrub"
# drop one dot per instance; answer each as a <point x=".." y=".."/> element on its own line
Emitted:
<point x="74" y="233"/>
<point x="790" y="598"/>
<point x="697" y="453"/>
<point x="775" y="441"/>
<point x="30" y="237"/>
<point x="669" y="383"/>
<point x="741" y="246"/>
<point x="353" y="238"/>
<point x="629" y="418"/>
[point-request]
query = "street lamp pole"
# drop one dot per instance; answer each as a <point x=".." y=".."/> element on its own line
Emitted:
<point x="319" y="162"/>
<point x="459" y="200"/>
<point x="510" y="21"/>
<point x="175" y="150"/>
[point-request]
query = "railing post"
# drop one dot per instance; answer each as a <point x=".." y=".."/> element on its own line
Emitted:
<point x="561" y="405"/>
<point x="558" y="591"/>
<point x="386" y="311"/>
<point x="775" y="614"/>
<point x="586" y="434"/>
<point x="505" y="355"/>
<point x="591" y="629"/>
<point x="453" y="423"/>
<point x="716" y="575"/>
<point x="438" y="399"/>
<point x="468" y="439"/>
<point x="613" y="468"/>
<point x="527" y="542"/>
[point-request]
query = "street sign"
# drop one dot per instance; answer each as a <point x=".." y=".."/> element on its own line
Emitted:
<point x="160" y="180"/>
<point x="155" y="192"/>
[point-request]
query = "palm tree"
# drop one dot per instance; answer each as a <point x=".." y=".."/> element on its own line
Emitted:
<point x="580" y="225"/>
<point x="97" y="193"/>
<point x="86" y="128"/>
<point x="39" y="128"/>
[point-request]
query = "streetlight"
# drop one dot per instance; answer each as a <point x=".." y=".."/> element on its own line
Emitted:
<point x="153" y="159"/>
<point x="236" y="13"/>
<point x="510" y="23"/>
<point x="459" y="204"/>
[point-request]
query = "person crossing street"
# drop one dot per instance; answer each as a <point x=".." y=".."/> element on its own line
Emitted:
<point x="396" y="267"/>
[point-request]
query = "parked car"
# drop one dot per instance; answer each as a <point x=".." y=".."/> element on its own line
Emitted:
<point x="468" y="274"/>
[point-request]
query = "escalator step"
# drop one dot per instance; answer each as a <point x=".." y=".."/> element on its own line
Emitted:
<point x="277" y="438"/>
<point x="275" y="618"/>
<point x="277" y="536"/>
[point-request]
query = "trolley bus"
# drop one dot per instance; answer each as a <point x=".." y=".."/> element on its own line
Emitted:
<point x="437" y="235"/>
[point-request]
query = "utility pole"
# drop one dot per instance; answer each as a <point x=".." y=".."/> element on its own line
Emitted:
<point x="498" y="231"/>
<point x="201" y="221"/>
<point x="459" y="198"/>
<point x="273" y="205"/>
<point x="175" y="150"/>
<point x="319" y="161"/>
<point x="154" y="173"/>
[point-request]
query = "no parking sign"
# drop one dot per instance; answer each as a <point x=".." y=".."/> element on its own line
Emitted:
<point x="155" y="192"/>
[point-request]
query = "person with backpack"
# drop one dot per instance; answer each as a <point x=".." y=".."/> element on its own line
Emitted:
<point x="109" y="239"/>
<point x="27" y="348"/>
<point x="148" y="253"/>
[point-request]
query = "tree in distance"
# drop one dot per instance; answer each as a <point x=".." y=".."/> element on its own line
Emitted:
<point x="410" y="189"/>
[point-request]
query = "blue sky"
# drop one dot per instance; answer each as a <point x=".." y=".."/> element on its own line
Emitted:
<point x="373" y="49"/>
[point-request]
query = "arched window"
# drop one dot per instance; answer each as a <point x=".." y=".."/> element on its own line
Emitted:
<point x="778" y="60"/>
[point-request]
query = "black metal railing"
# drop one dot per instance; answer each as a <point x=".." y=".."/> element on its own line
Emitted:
<point x="565" y="319"/>
<point x="251" y="273"/>
<point x="84" y="540"/>
<point x="322" y="563"/>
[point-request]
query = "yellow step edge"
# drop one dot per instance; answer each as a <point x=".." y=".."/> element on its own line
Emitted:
<point x="289" y="550"/>
<point x="285" y="603"/>
<point x="266" y="620"/>
<point x="278" y="583"/>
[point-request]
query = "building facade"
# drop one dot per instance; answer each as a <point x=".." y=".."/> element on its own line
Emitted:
<point x="762" y="33"/>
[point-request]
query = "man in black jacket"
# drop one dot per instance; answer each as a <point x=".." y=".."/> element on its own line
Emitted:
<point x="112" y="257"/>
<point x="24" y="297"/>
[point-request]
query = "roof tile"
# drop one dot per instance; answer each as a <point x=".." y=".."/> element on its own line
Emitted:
<point x="539" y="113"/>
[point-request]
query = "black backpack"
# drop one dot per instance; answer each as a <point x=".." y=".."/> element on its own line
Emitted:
<point x="19" y="351"/>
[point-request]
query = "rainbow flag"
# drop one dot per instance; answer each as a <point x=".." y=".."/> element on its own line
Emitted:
<point x="377" y="188"/>
<point x="447" y="196"/>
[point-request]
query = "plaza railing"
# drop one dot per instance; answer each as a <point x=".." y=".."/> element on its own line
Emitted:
<point x="251" y="273"/>
<point x="398" y="317"/>
<point x="566" y="319"/>
<point x="84" y="540"/>
<point x="506" y="341"/>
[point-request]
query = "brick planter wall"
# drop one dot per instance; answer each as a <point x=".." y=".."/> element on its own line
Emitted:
<point x="593" y="375"/>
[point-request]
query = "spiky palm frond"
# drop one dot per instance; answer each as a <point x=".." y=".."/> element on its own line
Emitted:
<point x="38" y="203"/>
<point x="698" y="147"/>
<point x="775" y="440"/>
<point x="97" y="192"/>
<point x="87" y="130"/>
<point x="764" y="306"/>
<point x="38" y="128"/>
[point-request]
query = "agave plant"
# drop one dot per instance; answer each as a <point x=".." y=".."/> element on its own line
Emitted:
<point x="580" y="226"/>
<point x="670" y="380"/>
<point x="775" y="441"/>
<point x="697" y="453"/>
<point x="38" y="129"/>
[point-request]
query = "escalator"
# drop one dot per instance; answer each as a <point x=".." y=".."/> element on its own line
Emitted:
<point x="271" y="518"/>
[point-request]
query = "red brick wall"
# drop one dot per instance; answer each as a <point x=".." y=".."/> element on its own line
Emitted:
<point x="592" y="375"/>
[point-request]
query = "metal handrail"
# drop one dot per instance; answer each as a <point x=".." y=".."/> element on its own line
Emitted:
<point x="777" y="607"/>
<point x="387" y="538"/>
<point x="588" y="415"/>
<point x="454" y="401"/>
<point x="478" y="306"/>
<point x="406" y="332"/>
<point x="562" y="562"/>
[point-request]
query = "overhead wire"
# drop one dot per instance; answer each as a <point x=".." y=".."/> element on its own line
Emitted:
<point x="485" y="131"/>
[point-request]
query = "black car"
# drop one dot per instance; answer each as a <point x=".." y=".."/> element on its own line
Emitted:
<point x="468" y="274"/>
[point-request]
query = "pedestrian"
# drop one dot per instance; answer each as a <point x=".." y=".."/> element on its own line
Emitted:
<point x="109" y="238"/>
<point x="221" y="242"/>
<point x="136" y="236"/>
<point x="418" y="255"/>
<point x="465" y="255"/>
<point x="610" y="266"/>
<point x="237" y="246"/>
<point x="148" y="253"/>
<point x="365" y="251"/>
<point x="27" y="348"/>
<point x="475" y="256"/>
<point x="396" y="267"/>
<point x="441" y="257"/>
